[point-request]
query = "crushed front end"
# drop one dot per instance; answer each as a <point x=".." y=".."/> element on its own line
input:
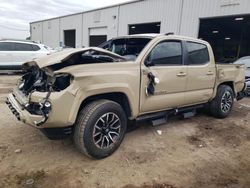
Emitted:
<point x="39" y="97"/>
<point x="48" y="96"/>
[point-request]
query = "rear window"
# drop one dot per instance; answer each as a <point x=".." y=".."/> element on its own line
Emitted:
<point x="198" y="53"/>
<point x="6" y="46"/>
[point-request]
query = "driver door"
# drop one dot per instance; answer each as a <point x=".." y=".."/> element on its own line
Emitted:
<point x="165" y="61"/>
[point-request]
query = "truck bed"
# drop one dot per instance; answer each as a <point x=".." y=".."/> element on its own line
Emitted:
<point x="229" y="72"/>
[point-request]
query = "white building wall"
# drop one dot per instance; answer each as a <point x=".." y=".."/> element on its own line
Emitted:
<point x="71" y="22"/>
<point x="36" y="31"/>
<point x="165" y="11"/>
<point x="178" y="16"/>
<point x="103" y="19"/>
<point x="193" y="10"/>
<point x="51" y="33"/>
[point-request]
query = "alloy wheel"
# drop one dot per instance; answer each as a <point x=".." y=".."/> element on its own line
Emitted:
<point x="226" y="102"/>
<point x="107" y="130"/>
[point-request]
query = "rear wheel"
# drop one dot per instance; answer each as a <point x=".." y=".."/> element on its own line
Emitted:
<point x="100" y="128"/>
<point x="222" y="104"/>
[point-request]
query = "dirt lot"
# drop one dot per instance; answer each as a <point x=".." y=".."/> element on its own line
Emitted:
<point x="199" y="152"/>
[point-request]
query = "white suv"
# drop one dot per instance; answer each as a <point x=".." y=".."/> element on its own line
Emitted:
<point x="14" y="53"/>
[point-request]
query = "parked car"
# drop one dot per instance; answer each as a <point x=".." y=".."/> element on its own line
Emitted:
<point x="246" y="62"/>
<point x="92" y="93"/>
<point x="14" y="53"/>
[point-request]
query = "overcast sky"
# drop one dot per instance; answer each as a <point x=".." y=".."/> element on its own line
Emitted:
<point x="15" y="15"/>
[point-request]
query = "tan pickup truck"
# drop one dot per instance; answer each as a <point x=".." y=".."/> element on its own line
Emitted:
<point x="92" y="93"/>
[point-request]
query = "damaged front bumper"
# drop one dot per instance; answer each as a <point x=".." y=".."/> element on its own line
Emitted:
<point x="41" y="111"/>
<point x="20" y="113"/>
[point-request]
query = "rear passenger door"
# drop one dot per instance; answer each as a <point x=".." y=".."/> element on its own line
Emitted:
<point x="168" y="66"/>
<point x="24" y="52"/>
<point x="200" y="73"/>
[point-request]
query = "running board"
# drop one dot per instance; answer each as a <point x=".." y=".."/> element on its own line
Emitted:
<point x="160" y="121"/>
<point x="160" y="118"/>
<point x="188" y="115"/>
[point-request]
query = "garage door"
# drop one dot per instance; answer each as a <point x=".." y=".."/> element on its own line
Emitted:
<point x="70" y="38"/>
<point x="144" y="28"/>
<point x="228" y="36"/>
<point x="97" y="36"/>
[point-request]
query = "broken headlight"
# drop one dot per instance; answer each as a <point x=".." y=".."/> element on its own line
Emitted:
<point x="62" y="81"/>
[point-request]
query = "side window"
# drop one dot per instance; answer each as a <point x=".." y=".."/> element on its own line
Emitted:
<point x="6" y="46"/>
<point x="23" y="47"/>
<point x="166" y="53"/>
<point x="198" y="53"/>
<point x="36" y="48"/>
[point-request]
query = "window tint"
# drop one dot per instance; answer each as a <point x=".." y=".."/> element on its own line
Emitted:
<point x="134" y="46"/>
<point x="167" y="53"/>
<point x="105" y="45"/>
<point x="118" y="46"/>
<point x="23" y="47"/>
<point x="125" y="47"/>
<point x="198" y="53"/>
<point x="6" y="46"/>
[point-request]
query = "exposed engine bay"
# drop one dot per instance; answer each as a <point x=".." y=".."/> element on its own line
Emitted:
<point x="36" y="79"/>
<point x="40" y="78"/>
<point x="44" y="79"/>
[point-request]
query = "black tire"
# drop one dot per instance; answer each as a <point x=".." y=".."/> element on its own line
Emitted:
<point x="221" y="106"/>
<point x="94" y="122"/>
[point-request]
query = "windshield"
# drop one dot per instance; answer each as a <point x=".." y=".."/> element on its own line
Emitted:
<point x="244" y="61"/>
<point x="126" y="47"/>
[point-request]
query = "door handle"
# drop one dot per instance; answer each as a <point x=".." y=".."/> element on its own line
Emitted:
<point x="210" y="73"/>
<point x="182" y="74"/>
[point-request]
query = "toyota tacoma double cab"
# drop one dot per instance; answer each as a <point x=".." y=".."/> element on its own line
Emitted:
<point x="92" y="93"/>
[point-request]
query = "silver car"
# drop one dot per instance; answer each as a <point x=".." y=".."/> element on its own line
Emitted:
<point x="246" y="60"/>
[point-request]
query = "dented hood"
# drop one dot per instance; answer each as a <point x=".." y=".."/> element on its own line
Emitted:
<point x="58" y="57"/>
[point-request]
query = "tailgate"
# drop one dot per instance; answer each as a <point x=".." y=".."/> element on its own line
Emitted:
<point x="231" y="73"/>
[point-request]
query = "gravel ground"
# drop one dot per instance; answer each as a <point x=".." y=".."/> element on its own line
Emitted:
<point x="197" y="152"/>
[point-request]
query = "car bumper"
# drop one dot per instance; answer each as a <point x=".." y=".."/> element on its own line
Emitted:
<point x="58" y="116"/>
<point x="19" y="111"/>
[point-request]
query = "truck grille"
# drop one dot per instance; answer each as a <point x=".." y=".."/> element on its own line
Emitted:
<point x="13" y="110"/>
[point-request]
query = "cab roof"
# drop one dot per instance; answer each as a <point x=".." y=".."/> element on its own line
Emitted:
<point x="155" y="35"/>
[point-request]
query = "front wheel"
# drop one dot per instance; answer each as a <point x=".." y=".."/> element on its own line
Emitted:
<point x="100" y="128"/>
<point x="222" y="104"/>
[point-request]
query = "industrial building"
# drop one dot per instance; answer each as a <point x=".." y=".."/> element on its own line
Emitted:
<point x="223" y="23"/>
